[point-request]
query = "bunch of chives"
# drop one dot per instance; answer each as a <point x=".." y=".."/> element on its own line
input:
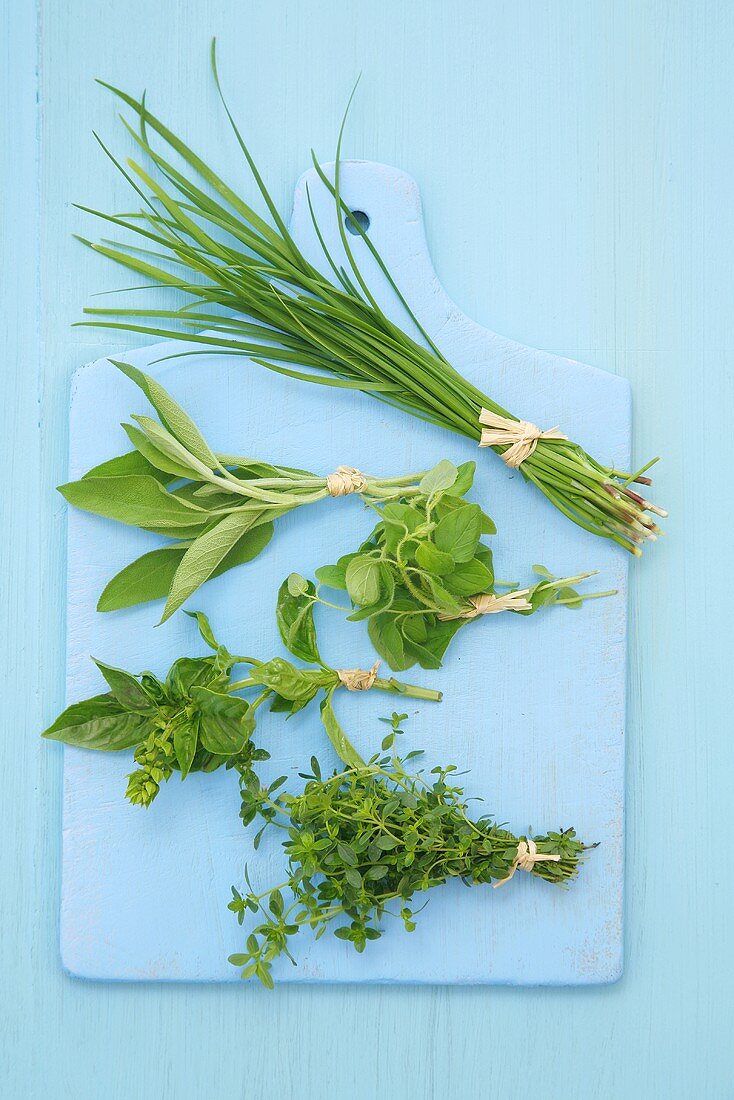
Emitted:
<point x="246" y="282"/>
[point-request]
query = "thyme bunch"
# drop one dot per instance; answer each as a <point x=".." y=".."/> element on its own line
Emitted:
<point x="362" y="843"/>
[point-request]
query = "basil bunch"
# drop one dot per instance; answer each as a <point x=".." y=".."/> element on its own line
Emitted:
<point x="415" y="578"/>
<point x="193" y="721"/>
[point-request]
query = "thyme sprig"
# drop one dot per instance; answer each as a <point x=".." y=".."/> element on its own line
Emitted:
<point x="248" y="285"/>
<point x="195" y="720"/>
<point x="362" y="843"/>
<point x="218" y="509"/>
<point x="424" y="573"/>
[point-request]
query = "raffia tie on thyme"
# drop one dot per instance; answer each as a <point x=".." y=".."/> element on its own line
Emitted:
<point x="358" y="679"/>
<point x="488" y="604"/>
<point x="526" y="858"/>
<point x="346" y="480"/>
<point x="521" y="435"/>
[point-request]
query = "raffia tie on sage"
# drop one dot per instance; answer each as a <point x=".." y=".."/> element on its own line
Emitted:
<point x="346" y="480"/>
<point x="519" y="436"/>
<point x="526" y="858"/>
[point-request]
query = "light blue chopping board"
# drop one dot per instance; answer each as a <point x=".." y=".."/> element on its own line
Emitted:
<point x="533" y="707"/>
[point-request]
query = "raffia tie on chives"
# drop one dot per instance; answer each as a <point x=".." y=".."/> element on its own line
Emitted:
<point x="358" y="679"/>
<point x="486" y="603"/>
<point x="525" y="860"/>
<point x="519" y="436"/>
<point x="346" y="480"/>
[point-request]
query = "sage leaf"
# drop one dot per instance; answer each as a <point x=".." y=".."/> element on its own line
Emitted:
<point x="98" y="723"/>
<point x="154" y="456"/>
<point x="137" y="500"/>
<point x="172" y="415"/>
<point x="132" y="462"/>
<point x="150" y="576"/>
<point x="210" y="549"/>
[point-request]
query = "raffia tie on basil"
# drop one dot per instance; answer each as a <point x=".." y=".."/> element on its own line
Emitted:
<point x="194" y="720"/>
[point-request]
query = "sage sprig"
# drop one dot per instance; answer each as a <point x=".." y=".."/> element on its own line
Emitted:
<point x="424" y="573"/>
<point x="363" y="842"/>
<point x="194" y="720"/>
<point x="200" y="239"/>
<point x="217" y="509"/>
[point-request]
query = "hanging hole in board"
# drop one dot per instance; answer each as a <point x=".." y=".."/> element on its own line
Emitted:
<point x="361" y="219"/>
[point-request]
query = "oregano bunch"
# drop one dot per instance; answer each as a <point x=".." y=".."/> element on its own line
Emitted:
<point x="217" y="509"/>
<point x="424" y="573"/>
<point x="363" y="842"/>
<point x="195" y="720"/>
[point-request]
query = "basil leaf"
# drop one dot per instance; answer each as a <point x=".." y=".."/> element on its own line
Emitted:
<point x="209" y="551"/>
<point x="363" y="580"/>
<point x="224" y="723"/>
<point x="137" y="500"/>
<point x="294" y="615"/>
<point x="207" y="634"/>
<point x="126" y="689"/>
<point x="440" y="478"/>
<point x="172" y="415"/>
<point x="458" y="532"/>
<point x="290" y="682"/>
<point x="98" y="723"/>
<point x="185" y="741"/>
<point x="343" y="747"/>
<point x="190" y="672"/>
<point x="433" y="560"/>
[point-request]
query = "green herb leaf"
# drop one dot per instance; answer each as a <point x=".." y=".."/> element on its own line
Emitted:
<point x="294" y="614"/>
<point x="185" y="741"/>
<point x="440" y="478"/>
<point x="207" y="552"/>
<point x="126" y="689"/>
<point x="363" y="580"/>
<point x="172" y="415"/>
<point x="98" y="723"/>
<point x="139" y="501"/>
<point x="458" y="532"/>
<point x="433" y="560"/>
<point x="225" y="725"/>
<point x="343" y="747"/>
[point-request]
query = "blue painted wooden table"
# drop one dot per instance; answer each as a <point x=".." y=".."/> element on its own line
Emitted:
<point x="575" y="166"/>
